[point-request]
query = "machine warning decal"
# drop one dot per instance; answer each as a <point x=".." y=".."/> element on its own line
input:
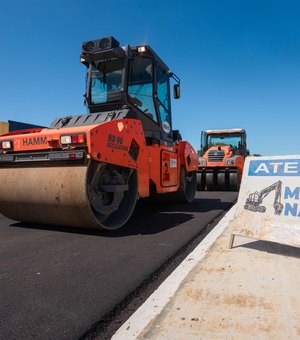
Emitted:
<point x="166" y="127"/>
<point x="120" y="126"/>
<point x="116" y="142"/>
<point x="173" y="163"/>
<point x="34" y="141"/>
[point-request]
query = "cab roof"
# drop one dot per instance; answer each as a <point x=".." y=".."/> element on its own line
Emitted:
<point x="237" y="130"/>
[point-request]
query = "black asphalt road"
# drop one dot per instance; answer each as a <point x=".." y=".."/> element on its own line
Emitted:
<point x="55" y="283"/>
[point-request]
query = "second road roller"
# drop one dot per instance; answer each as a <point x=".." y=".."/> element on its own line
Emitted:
<point x="89" y="170"/>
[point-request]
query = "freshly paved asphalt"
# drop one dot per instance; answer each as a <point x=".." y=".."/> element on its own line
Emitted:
<point x="55" y="283"/>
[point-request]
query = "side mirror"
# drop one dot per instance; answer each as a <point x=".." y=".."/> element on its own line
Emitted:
<point x="176" y="91"/>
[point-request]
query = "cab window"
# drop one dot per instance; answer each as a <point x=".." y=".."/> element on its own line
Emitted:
<point x="163" y="99"/>
<point x="106" y="81"/>
<point x="140" y="85"/>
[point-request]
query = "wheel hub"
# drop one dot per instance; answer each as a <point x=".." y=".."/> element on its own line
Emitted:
<point x="106" y="190"/>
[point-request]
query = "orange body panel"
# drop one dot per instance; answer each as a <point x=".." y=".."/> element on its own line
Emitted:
<point x="165" y="164"/>
<point x="111" y="143"/>
<point x="45" y="139"/>
<point x="239" y="160"/>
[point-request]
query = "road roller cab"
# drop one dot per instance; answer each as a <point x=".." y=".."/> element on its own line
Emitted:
<point x="88" y="170"/>
<point x="222" y="159"/>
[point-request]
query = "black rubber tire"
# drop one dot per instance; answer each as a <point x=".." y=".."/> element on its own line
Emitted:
<point x="188" y="187"/>
<point x="234" y="184"/>
<point x="210" y="183"/>
<point x="119" y="217"/>
<point x="222" y="181"/>
<point x="200" y="181"/>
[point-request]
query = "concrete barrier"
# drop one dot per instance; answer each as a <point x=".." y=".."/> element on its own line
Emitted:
<point x="268" y="206"/>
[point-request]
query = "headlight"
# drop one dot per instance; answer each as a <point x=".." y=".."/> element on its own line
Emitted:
<point x="230" y="161"/>
<point x="6" y="144"/>
<point x="142" y="49"/>
<point x="202" y="161"/>
<point x="72" y="139"/>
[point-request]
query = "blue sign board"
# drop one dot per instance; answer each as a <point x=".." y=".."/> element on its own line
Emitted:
<point x="274" y="167"/>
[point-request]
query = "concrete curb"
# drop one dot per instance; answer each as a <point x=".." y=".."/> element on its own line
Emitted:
<point x="154" y="305"/>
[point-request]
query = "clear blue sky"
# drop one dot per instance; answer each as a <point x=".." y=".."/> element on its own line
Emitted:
<point x="238" y="60"/>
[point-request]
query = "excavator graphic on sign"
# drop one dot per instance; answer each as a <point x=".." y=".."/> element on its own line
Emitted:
<point x="254" y="201"/>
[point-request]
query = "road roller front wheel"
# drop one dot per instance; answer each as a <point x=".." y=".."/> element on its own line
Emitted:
<point x="112" y="193"/>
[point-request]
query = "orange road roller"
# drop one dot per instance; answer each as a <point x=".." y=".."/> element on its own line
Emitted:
<point x="221" y="164"/>
<point x="89" y="170"/>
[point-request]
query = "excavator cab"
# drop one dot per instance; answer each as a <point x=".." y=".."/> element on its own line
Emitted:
<point x="132" y="82"/>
